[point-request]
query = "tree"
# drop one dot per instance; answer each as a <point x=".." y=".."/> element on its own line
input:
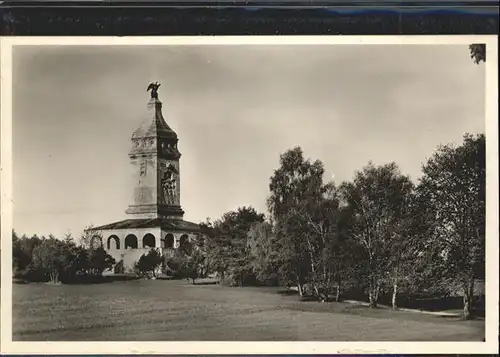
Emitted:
<point x="50" y="259"/>
<point x="217" y="251"/>
<point x="150" y="263"/>
<point x="318" y="218"/>
<point x="57" y="260"/>
<point x="79" y="264"/>
<point x="190" y="266"/>
<point x="301" y="227"/>
<point x="205" y="244"/>
<point x="264" y="259"/>
<point x="187" y="266"/>
<point x="275" y="259"/>
<point x="376" y="200"/>
<point x="226" y="244"/>
<point x="68" y="238"/>
<point x="340" y="253"/>
<point x="199" y="254"/>
<point x="99" y="261"/>
<point x="22" y="251"/>
<point x="20" y="259"/>
<point x="454" y="188"/>
<point x="403" y="242"/>
<point x="478" y="52"/>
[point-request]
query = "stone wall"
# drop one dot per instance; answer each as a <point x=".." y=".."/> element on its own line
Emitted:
<point x="121" y="235"/>
<point x="131" y="255"/>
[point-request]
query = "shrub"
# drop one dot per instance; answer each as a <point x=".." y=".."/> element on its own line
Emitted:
<point x="149" y="264"/>
<point x="54" y="260"/>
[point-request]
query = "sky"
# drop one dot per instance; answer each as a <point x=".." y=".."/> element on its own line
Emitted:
<point x="235" y="110"/>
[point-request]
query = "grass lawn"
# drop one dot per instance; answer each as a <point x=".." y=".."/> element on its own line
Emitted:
<point x="162" y="310"/>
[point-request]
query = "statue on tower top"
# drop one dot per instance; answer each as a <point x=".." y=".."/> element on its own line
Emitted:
<point x="153" y="87"/>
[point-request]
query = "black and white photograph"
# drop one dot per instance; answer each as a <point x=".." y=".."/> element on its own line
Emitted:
<point x="230" y="190"/>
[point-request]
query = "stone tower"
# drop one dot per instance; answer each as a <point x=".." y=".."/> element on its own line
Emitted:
<point x="155" y="217"/>
<point x="155" y="158"/>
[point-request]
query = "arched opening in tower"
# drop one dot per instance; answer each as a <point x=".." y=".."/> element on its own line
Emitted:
<point x="113" y="242"/>
<point x="131" y="241"/>
<point x="184" y="244"/>
<point x="168" y="242"/>
<point x="149" y="241"/>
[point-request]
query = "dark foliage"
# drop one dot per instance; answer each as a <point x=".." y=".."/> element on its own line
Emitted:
<point x="379" y="238"/>
<point x="58" y="261"/>
<point x="478" y="52"/>
<point x="150" y="264"/>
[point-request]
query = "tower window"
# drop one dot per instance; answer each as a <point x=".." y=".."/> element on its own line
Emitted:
<point x="116" y="242"/>
<point x="168" y="242"/>
<point x="149" y="241"/>
<point x="131" y="241"/>
<point x="143" y="168"/>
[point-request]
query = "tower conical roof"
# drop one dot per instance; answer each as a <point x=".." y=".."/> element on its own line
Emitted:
<point x="154" y="125"/>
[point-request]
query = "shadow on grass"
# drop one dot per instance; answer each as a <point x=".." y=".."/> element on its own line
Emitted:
<point x="82" y="280"/>
<point x="85" y="280"/>
<point x="197" y="282"/>
<point x="443" y="308"/>
<point x="19" y="281"/>
<point x="304" y="298"/>
<point x="205" y="283"/>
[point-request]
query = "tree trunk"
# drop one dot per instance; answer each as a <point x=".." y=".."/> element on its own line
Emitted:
<point x="54" y="277"/>
<point x="323" y="296"/>
<point x="301" y="290"/>
<point x="373" y="303"/>
<point x="395" y="288"/>
<point x="326" y="282"/>
<point x="337" y="295"/>
<point x="313" y="269"/>
<point x="394" y="296"/>
<point x="316" y="291"/>
<point x="468" y="296"/>
<point x="373" y="295"/>
<point x="299" y="287"/>
<point x="471" y="294"/>
<point x="467" y="306"/>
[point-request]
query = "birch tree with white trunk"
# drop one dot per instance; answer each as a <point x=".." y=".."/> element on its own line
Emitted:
<point x="375" y="199"/>
<point x="454" y="189"/>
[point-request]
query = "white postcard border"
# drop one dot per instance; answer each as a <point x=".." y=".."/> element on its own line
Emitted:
<point x="492" y="211"/>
